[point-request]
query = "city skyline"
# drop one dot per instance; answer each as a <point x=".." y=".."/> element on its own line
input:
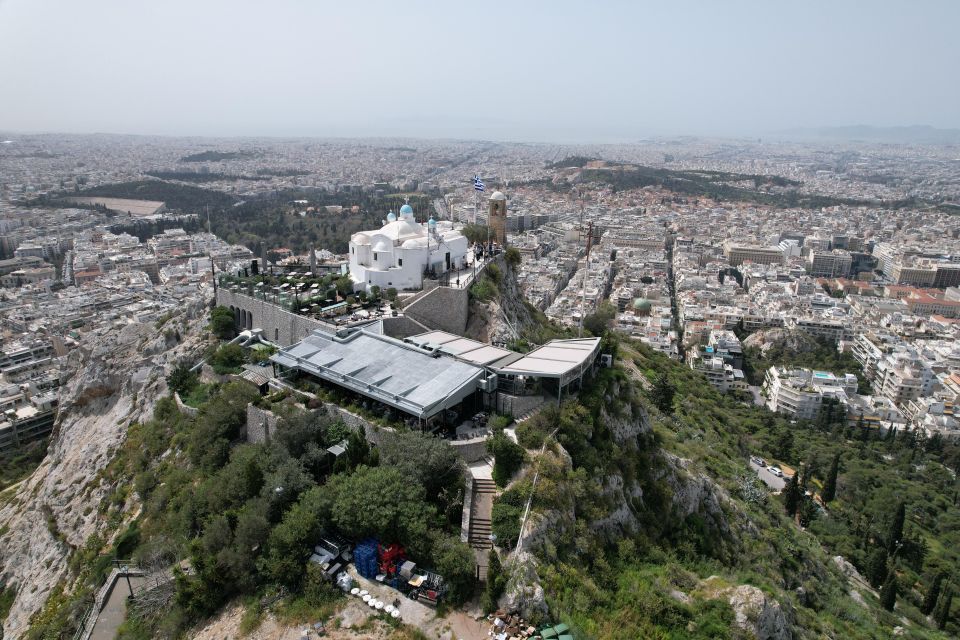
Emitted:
<point x="633" y="71"/>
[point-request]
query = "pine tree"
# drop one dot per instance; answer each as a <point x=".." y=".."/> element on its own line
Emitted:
<point x="830" y="485"/>
<point x="791" y="496"/>
<point x="784" y="446"/>
<point x="895" y="534"/>
<point x="877" y="567"/>
<point x="943" y="614"/>
<point x="933" y="594"/>
<point x="888" y="594"/>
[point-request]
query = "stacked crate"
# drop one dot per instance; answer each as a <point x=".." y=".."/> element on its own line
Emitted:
<point x="365" y="558"/>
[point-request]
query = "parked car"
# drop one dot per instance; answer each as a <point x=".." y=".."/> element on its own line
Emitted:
<point x="757" y="460"/>
<point x="775" y="471"/>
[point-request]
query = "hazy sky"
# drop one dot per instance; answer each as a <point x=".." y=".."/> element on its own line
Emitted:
<point x="519" y="70"/>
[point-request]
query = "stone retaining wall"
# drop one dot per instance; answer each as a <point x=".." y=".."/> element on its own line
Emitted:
<point x="442" y="308"/>
<point x="517" y="406"/>
<point x="467" y="508"/>
<point x="278" y="324"/>
<point x="402" y="327"/>
<point x="184" y="408"/>
<point x="371" y="432"/>
<point x="470" y="450"/>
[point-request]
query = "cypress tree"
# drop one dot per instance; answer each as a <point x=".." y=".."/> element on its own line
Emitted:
<point x="943" y="615"/>
<point x="830" y="485"/>
<point x="877" y="567"/>
<point x="791" y="496"/>
<point x="895" y="534"/>
<point x="888" y="594"/>
<point x="933" y="594"/>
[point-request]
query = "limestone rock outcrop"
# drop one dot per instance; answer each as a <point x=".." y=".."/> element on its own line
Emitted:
<point x="759" y="615"/>
<point x="505" y="318"/>
<point x="523" y="592"/>
<point x="118" y="374"/>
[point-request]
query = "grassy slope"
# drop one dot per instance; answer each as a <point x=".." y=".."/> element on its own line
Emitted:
<point x="611" y="587"/>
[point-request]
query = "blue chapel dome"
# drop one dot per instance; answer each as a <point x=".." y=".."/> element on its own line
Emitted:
<point x="406" y="210"/>
<point x="392" y="216"/>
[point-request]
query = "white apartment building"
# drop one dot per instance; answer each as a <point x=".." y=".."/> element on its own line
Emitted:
<point x="903" y="376"/>
<point x="800" y="392"/>
<point x="870" y="348"/>
<point x="832" y="329"/>
<point x="721" y="376"/>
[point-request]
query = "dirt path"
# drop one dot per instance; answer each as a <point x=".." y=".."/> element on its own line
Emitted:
<point x="354" y="621"/>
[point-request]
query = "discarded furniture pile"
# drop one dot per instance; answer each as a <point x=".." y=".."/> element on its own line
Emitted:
<point x="510" y="626"/>
<point x="389" y="565"/>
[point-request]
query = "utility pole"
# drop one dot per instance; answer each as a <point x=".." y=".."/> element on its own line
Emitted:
<point x="586" y="271"/>
<point x="586" y="262"/>
<point x="213" y="271"/>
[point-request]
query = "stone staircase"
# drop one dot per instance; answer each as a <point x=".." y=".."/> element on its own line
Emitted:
<point x="480" y="526"/>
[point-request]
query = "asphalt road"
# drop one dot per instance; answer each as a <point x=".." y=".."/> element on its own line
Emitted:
<point x="758" y="399"/>
<point x="768" y="478"/>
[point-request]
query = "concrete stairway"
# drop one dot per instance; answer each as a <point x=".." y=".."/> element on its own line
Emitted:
<point x="480" y="513"/>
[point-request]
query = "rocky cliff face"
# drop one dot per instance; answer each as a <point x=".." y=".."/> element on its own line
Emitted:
<point x="504" y="319"/>
<point x="119" y="374"/>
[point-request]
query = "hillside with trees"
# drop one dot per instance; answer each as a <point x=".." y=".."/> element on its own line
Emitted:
<point x="244" y="516"/>
<point x="655" y="522"/>
<point x="270" y="219"/>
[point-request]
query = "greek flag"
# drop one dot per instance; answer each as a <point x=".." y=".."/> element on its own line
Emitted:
<point x="478" y="183"/>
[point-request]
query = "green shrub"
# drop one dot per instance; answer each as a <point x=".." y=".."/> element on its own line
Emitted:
<point x="505" y="523"/>
<point x="227" y="359"/>
<point x="498" y="423"/>
<point x="507" y="511"/>
<point x="181" y="380"/>
<point x="223" y="323"/>
<point x="529" y="436"/>
<point x="508" y="458"/>
<point x="484" y="289"/>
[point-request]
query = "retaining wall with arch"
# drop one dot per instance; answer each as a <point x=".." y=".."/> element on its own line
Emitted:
<point x="278" y="325"/>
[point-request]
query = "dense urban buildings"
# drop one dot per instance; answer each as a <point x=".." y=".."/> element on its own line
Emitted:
<point x="352" y="273"/>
